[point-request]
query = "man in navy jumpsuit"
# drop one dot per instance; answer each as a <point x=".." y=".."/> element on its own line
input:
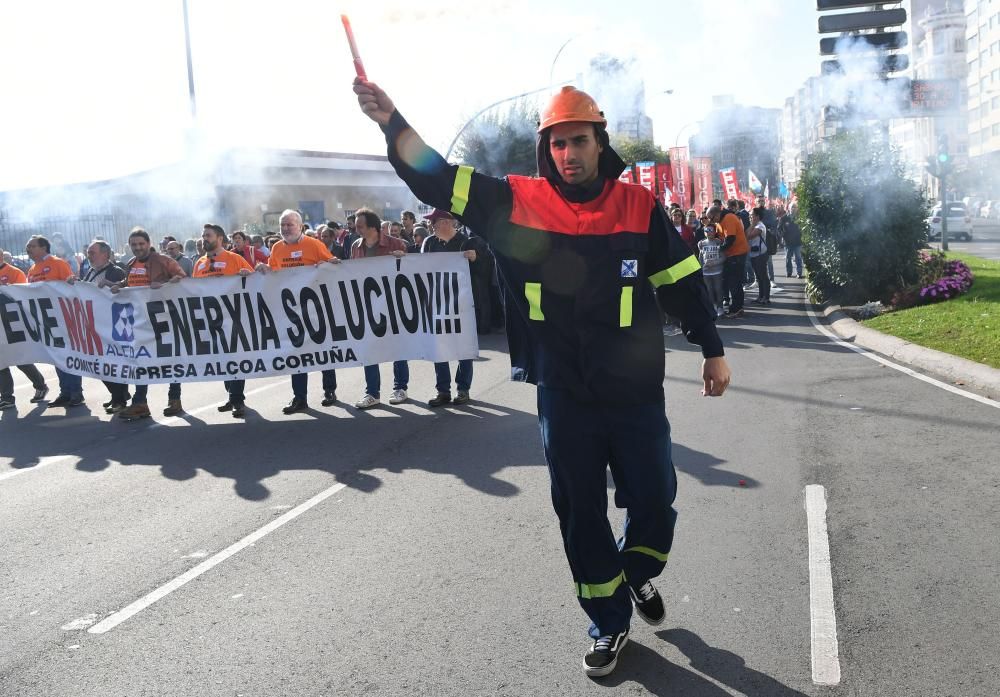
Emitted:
<point x="582" y="259"/>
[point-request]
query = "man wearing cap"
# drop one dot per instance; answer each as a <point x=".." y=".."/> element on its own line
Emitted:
<point x="578" y="255"/>
<point x="447" y="238"/>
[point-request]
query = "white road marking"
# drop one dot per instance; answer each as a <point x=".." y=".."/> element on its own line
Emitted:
<point x="823" y="617"/>
<point x="895" y="366"/>
<point x="79" y="623"/>
<point x="142" y="603"/>
<point x="43" y="461"/>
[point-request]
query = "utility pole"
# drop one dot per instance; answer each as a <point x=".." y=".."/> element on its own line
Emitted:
<point x="940" y="166"/>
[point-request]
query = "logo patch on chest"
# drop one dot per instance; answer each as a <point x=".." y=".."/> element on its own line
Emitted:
<point x="630" y="268"/>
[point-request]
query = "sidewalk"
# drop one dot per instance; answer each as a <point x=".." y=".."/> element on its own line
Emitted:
<point x="950" y="368"/>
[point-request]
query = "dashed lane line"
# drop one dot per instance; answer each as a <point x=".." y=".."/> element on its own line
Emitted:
<point x="822" y="615"/>
<point x="115" y="619"/>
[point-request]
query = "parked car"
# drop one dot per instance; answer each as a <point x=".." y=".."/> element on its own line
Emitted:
<point x="959" y="222"/>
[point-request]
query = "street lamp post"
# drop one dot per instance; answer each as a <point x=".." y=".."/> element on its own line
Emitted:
<point x="487" y="108"/>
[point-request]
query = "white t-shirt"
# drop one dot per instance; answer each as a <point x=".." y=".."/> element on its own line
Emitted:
<point x="758" y="245"/>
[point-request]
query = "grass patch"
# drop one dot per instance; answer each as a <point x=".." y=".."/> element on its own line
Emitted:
<point x="968" y="326"/>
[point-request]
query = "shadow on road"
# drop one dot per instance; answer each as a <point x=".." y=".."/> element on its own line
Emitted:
<point x="640" y="664"/>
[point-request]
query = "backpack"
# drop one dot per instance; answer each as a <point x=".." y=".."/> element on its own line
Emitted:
<point x="771" y="240"/>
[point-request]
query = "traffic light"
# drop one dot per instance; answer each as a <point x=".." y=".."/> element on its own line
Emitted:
<point x="944" y="159"/>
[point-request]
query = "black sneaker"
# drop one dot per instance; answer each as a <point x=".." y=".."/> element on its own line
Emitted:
<point x="228" y="406"/>
<point x="602" y="657"/>
<point x="6" y="403"/>
<point x="239" y="410"/>
<point x="440" y="399"/>
<point x="648" y="603"/>
<point x="329" y="398"/>
<point x="76" y="400"/>
<point x="40" y="395"/>
<point x="62" y="400"/>
<point x="296" y="405"/>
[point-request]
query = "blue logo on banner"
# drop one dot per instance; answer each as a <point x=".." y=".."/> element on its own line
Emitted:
<point x="122" y="322"/>
<point x="629" y="267"/>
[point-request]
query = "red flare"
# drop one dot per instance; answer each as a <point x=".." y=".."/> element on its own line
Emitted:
<point x="359" y="67"/>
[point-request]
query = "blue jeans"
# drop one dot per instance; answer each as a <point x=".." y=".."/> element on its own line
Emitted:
<point x="173" y="392"/>
<point x="69" y="385"/>
<point x="463" y="376"/>
<point x="581" y="442"/>
<point x="235" y="389"/>
<point x="300" y="383"/>
<point x="793" y="251"/>
<point x="400" y="377"/>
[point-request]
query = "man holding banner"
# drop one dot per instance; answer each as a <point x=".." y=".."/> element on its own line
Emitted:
<point x="9" y="275"/>
<point x="220" y="262"/>
<point x="47" y="268"/>
<point x="293" y="250"/>
<point x="579" y="254"/>
<point x="149" y="269"/>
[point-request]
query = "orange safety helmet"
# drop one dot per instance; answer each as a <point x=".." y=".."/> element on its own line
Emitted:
<point x="570" y="104"/>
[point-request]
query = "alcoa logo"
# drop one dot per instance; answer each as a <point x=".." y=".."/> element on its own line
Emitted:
<point x="123" y="322"/>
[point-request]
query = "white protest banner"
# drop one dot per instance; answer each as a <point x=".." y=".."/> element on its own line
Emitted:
<point x="355" y="313"/>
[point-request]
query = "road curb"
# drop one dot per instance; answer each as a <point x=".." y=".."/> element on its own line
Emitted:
<point x="952" y="368"/>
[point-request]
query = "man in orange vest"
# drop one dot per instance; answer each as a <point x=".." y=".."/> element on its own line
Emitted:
<point x="220" y="262"/>
<point x="47" y="268"/>
<point x="579" y="254"/>
<point x="10" y="275"/>
<point x="293" y="250"/>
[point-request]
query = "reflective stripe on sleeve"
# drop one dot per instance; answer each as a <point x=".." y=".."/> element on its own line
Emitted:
<point x="675" y="272"/>
<point x="460" y="193"/>
<point x="589" y="591"/>
<point x="625" y="309"/>
<point x="533" y="292"/>
<point x="659" y="556"/>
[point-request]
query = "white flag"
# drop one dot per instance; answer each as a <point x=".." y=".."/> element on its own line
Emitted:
<point x="754" y="182"/>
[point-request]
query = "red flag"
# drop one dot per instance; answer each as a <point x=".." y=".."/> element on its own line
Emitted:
<point x="702" y="181"/>
<point x="682" y="176"/>
<point x="730" y="185"/>
<point x="665" y="179"/>
<point x="647" y="175"/>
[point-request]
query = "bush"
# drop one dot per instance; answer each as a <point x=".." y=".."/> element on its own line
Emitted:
<point x="939" y="279"/>
<point x="862" y="221"/>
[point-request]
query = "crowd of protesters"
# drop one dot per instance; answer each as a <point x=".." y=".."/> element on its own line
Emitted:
<point x="216" y="253"/>
<point x="733" y="245"/>
<point x="735" y="248"/>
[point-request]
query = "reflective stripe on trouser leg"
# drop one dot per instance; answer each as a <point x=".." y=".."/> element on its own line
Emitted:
<point x="577" y="449"/>
<point x="645" y="486"/>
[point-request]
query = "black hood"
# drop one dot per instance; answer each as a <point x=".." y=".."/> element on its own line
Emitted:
<point x="609" y="166"/>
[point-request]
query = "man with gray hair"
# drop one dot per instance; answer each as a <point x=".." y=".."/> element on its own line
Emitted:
<point x="104" y="272"/>
<point x="296" y="249"/>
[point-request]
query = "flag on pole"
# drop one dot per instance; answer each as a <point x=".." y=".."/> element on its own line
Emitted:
<point x="754" y="182"/>
<point x="783" y="190"/>
<point x="767" y="190"/>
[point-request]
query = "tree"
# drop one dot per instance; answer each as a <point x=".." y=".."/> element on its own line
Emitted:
<point x="862" y="220"/>
<point x="501" y="143"/>
<point x="632" y="150"/>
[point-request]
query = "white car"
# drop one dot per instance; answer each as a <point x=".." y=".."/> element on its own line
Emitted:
<point x="959" y="222"/>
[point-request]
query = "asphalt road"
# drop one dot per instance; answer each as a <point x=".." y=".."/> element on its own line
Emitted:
<point x="433" y="566"/>
<point x="985" y="240"/>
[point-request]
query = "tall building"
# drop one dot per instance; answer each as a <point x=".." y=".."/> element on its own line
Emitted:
<point x="613" y="82"/>
<point x="938" y="54"/>
<point x="801" y="132"/>
<point x="982" y="35"/>
<point x="744" y="137"/>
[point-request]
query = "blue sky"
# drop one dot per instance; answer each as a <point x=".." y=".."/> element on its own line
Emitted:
<point x="99" y="88"/>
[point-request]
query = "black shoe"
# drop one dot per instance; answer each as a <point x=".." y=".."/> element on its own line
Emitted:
<point x="6" y="403"/>
<point x="76" y="400"/>
<point x="648" y="603"/>
<point x="441" y="399"/>
<point x="60" y="401"/>
<point x="228" y="406"/>
<point x="40" y="395"/>
<point x="107" y="403"/>
<point x="239" y="411"/>
<point x="733" y="314"/>
<point x="295" y="405"/>
<point x="462" y="398"/>
<point x="602" y="657"/>
<point x="114" y="407"/>
<point x="329" y="398"/>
